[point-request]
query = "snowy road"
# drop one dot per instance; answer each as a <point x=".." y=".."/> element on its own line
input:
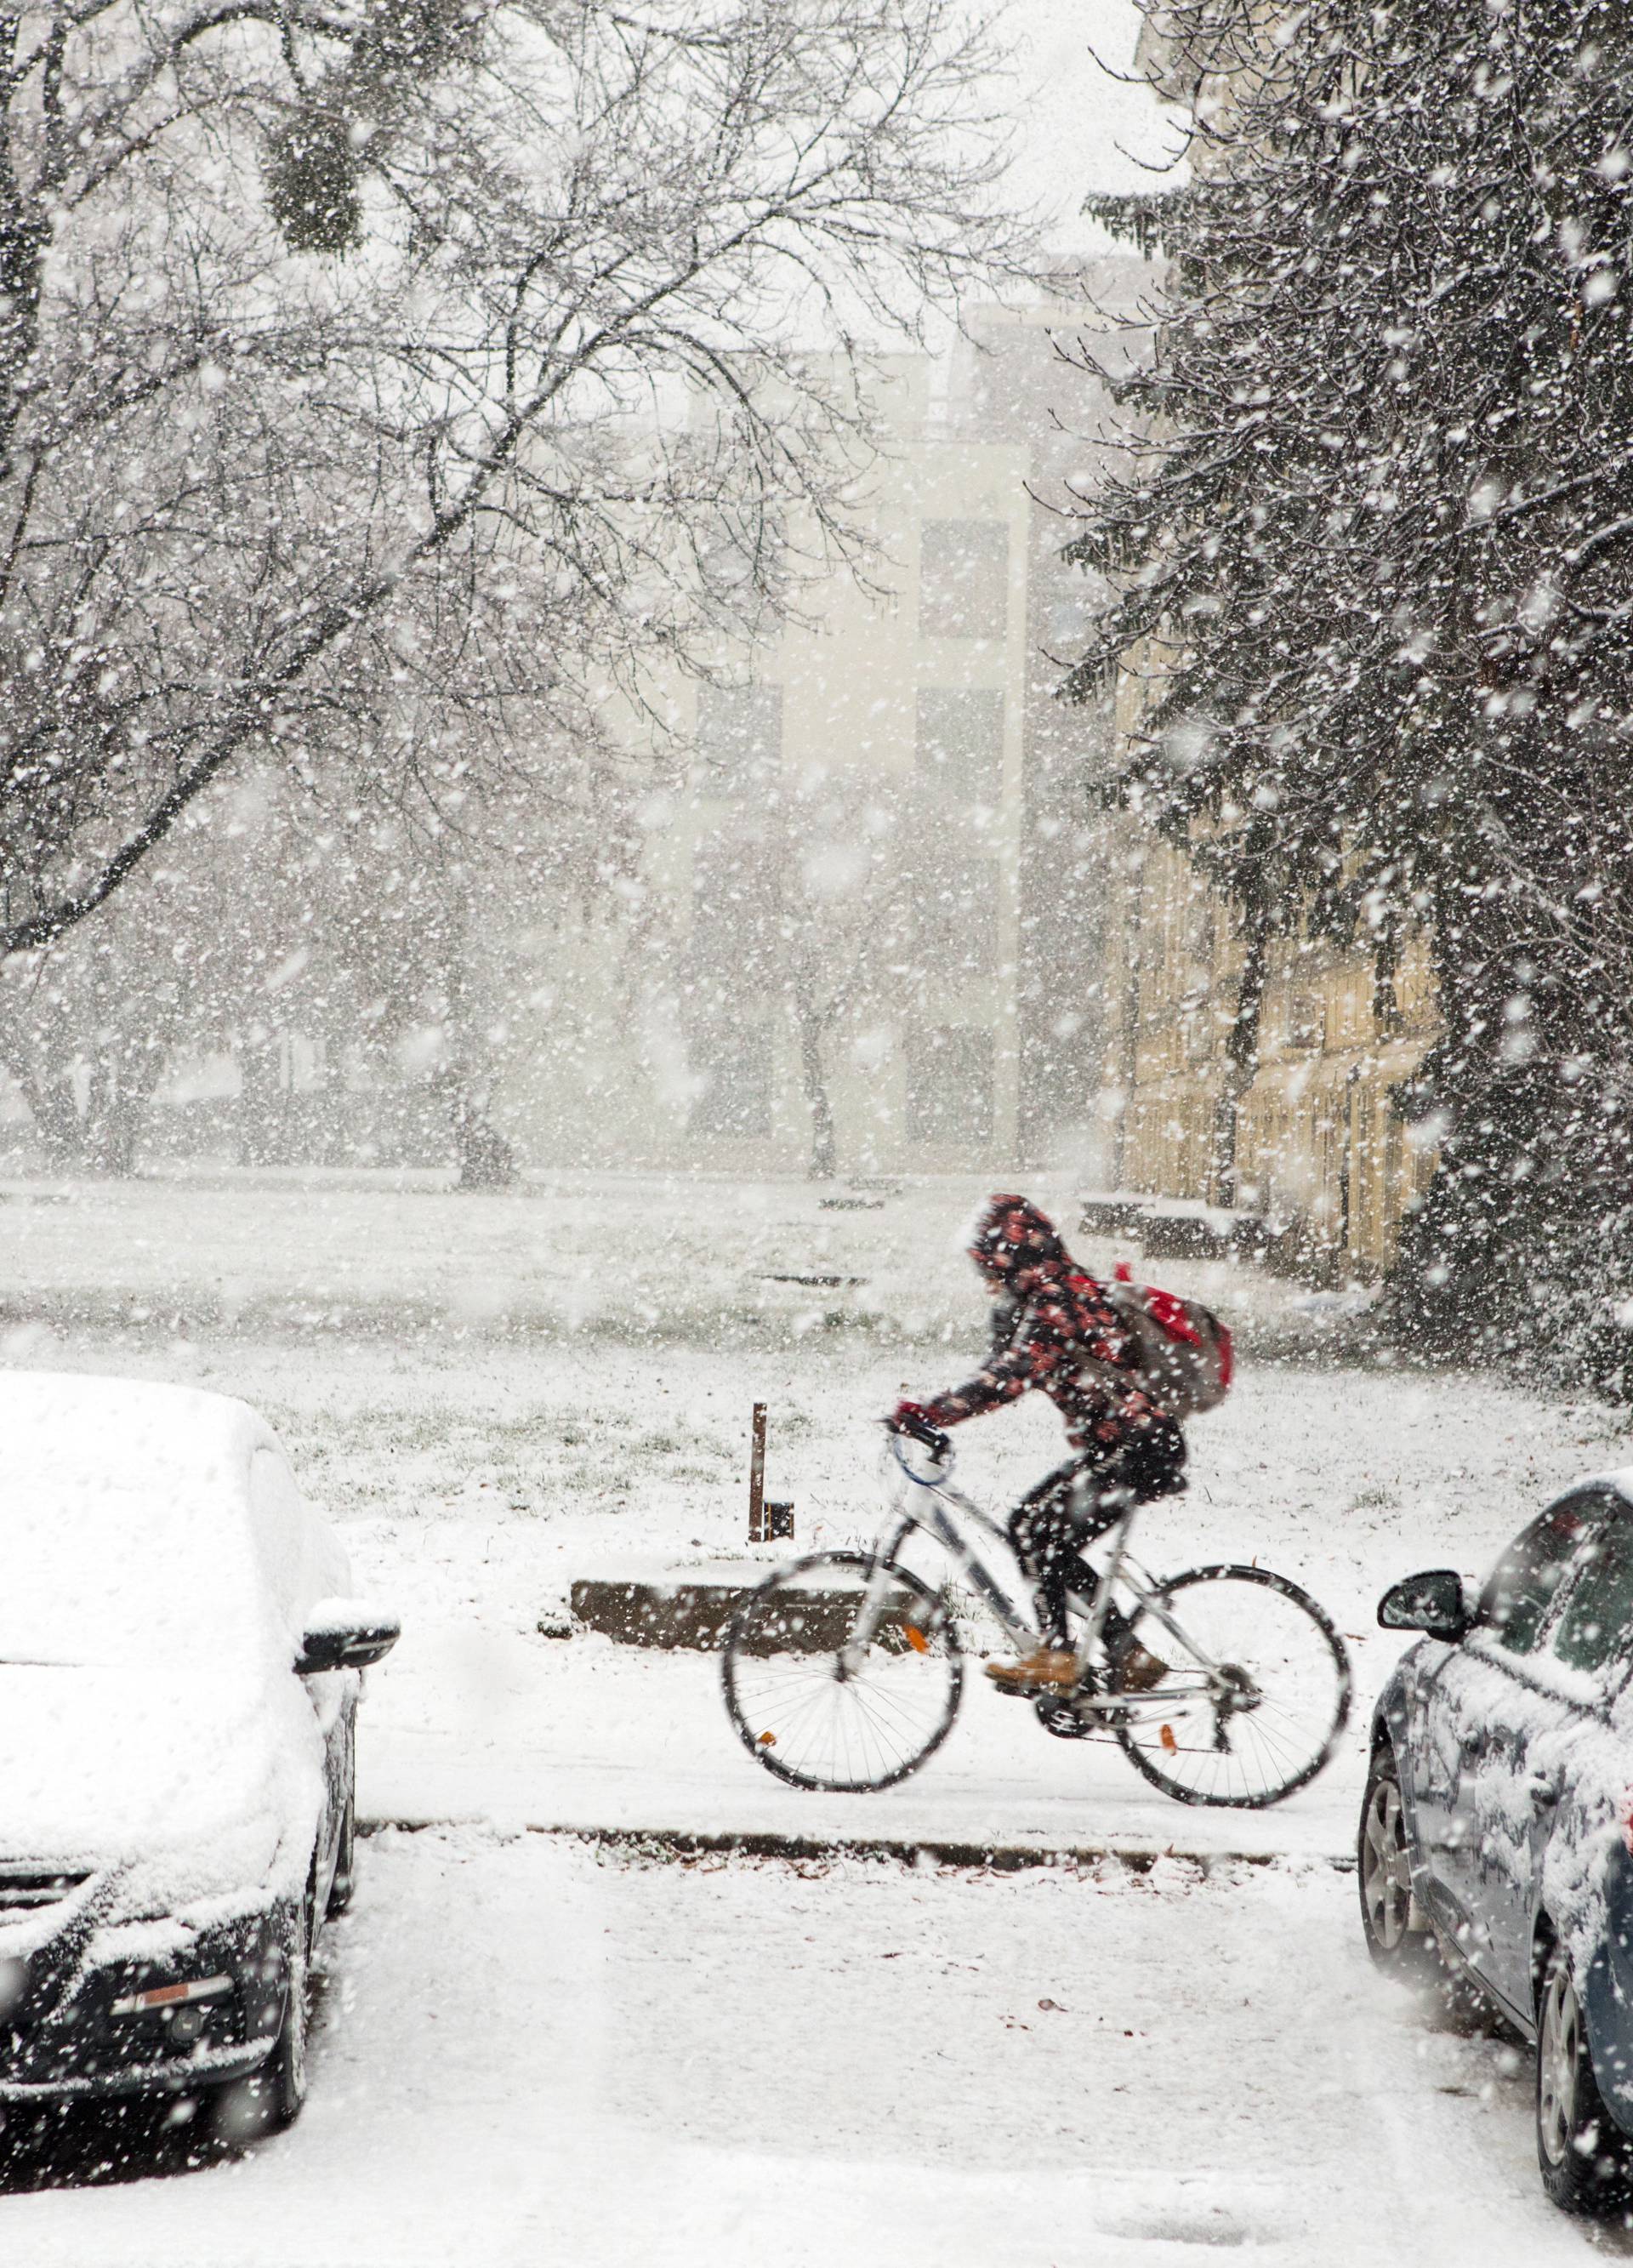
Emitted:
<point x="533" y="2056"/>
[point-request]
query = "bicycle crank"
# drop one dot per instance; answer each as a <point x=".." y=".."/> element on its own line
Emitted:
<point x="1078" y="1716"/>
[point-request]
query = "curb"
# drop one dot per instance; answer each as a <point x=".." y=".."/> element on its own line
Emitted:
<point x="910" y="1850"/>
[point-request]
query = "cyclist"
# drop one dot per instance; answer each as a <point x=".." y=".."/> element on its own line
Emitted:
<point x="1054" y="1328"/>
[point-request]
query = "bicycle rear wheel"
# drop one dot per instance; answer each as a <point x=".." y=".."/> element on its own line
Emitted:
<point x="821" y="1709"/>
<point x="1256" y="1694"/>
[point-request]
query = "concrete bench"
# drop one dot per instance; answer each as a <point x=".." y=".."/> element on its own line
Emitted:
<point x="694" y="1615"/>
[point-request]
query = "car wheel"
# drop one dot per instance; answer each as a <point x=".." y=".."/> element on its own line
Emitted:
<point x="1582" y="2152"/>
<point x="246" y="2108"/>
<point x="345" y="1861"/>
<point x="1397" y="1937"/>
<point x="289" y="2059"/>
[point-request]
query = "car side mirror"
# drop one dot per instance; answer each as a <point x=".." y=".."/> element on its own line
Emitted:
<point x="1433" y="1602"/>
<point x="345" y="1634"/>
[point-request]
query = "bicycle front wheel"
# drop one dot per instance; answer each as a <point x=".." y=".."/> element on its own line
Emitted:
<point x="838" y="1680"/>
<point x="1256" y="1693"/>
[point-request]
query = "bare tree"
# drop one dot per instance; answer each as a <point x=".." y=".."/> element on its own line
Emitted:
<point x="834" y="935"/>
<point x="344" y="343"/>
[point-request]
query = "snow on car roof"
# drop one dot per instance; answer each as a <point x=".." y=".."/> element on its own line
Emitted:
<point x="1621" y="1480"/>
<point x="124" y="1525"/>
<point x="183" y="1428"/>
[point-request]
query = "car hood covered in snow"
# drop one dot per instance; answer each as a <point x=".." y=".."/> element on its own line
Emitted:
<point x="200" y="1789"/>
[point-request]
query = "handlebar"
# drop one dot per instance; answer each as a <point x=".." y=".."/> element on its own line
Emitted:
<point x="929" y="1438"/>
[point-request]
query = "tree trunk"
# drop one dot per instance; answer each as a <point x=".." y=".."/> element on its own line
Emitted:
<point x="1129" y="1034"/>
<point x="1242" y="1062"/>
<point x="114" y="1115"/>
<point x="260" y="1098"/>
<point x="54" y="1108"/>
<point x="485" y="1159"/>
<point x="813" y="1077"/>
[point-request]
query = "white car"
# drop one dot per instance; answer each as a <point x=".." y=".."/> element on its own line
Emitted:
<point x="180" y="1670"/>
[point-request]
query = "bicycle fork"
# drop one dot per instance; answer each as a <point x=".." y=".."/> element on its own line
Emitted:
<point x="870" y="1613"/>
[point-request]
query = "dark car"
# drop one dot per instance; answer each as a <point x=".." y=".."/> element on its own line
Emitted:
<point x="1496" y="1845"/>
<point x="179" y="1681"/>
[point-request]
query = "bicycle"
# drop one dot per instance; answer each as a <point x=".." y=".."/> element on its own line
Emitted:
<point x="844" y="1670"/>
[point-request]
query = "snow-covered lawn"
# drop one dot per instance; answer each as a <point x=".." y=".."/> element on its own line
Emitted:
<point x="535" y="2055"/>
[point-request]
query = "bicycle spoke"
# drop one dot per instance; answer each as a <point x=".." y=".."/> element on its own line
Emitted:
<point x="841" y="1716"/>
<point x="1275" y="1645"/>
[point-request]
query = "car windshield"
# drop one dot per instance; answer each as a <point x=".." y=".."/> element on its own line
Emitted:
<point x="120" y="1551"/>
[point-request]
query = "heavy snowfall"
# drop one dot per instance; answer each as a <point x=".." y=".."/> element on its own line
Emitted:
<point x="671" y="669"/>
<point x="557" y="2023"/>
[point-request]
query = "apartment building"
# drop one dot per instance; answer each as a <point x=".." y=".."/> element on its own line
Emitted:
<point x="865" y="926"/>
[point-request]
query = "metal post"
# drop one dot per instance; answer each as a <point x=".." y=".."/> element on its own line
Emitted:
<point x="757" y="1476"/>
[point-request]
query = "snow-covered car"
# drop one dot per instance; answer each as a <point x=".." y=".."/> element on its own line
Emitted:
<point x="1496" y="1845"/>
<point x="180" y="1670"/>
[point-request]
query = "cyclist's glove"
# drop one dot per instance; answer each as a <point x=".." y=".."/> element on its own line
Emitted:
<point x="908" y="1418"/>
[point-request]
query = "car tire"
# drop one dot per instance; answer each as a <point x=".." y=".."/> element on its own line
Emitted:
<point x="1583" y="2154"/>
<point x="288" y="2066"/>
<point x="345" y="1861"/>
<point x="1398" y="1937"/>
<point x="246" y="2109"/>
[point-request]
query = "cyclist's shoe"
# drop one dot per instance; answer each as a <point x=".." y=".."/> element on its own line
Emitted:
<point x="1051" y="1670"/>
<point x="1138" y="1671"/>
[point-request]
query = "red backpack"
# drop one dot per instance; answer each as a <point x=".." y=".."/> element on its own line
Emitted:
<point x="1181" y="1348"/>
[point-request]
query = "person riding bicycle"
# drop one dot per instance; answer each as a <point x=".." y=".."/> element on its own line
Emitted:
<point x="1054" y="1328"/>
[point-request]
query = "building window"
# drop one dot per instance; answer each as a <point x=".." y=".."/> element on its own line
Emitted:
<point x="963" y="578"/>
<point x="739" y="737"/>
<point x="733" y="951"/>
<point x="949" y="1086"/>
<point x="733" y="1061"/>
<point x="954" y="916"/>
<point x="960" y="747"/>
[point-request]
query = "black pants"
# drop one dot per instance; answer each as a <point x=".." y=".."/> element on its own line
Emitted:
<point x="1080" y="1500"/>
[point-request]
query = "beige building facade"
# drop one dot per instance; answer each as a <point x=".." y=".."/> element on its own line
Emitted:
<point x="1318" y="1148"/>
<point x="1313" y="1143"/>
<point x="863" y="932"/>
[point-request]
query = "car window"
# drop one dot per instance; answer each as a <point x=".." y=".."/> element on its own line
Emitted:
<point x="303" y="1561"/>
<point x="1520" y="1590"/>
<point x="1596" y="1624"/>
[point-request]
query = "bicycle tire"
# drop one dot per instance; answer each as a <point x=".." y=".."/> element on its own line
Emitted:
<point x="1148" y="1710"/>
<point x="901" y="1707"/>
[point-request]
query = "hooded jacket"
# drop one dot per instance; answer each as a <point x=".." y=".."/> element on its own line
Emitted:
<point x="1049" y="1320"/>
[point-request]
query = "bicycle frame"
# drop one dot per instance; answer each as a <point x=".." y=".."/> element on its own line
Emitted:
<point x="938" y="1512"/>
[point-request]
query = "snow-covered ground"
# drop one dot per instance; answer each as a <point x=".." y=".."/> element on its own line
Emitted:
<point x="536" y="2053"/>
<point x="534" y="2057"/>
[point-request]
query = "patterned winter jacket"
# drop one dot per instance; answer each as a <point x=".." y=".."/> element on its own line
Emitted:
<point x="1053" y="1319"/>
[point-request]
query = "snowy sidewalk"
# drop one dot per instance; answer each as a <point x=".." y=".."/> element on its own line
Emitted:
<point x="476" y="1723"/>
